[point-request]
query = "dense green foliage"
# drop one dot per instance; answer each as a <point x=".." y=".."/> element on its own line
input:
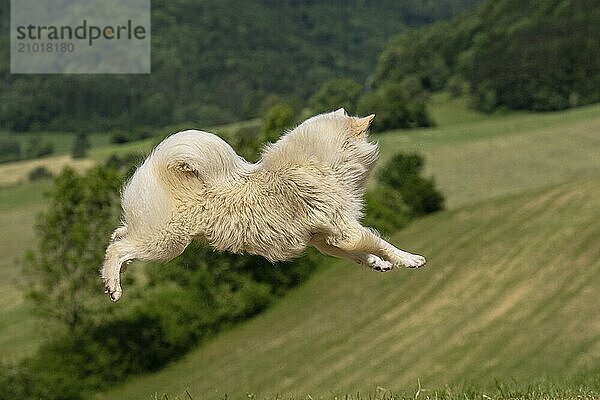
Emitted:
<point x="334" y="94"/>
<point x="10" y="149"/>
<point x="521" y="55"/>
<point x="276" y="120"/>
<point x="396" y="105"/>
<point x="39" y="173"/>
<point x="216" y="61"/>
<point x="81" y="145"/>
<point x="72" y="235"/>
<point x="402" y="194"/>
<point x="403" y="173"/>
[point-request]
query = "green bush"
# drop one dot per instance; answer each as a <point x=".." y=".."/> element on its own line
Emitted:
<point x="126" y="164"/>
<point x="277" y="119"/>
<point x="403" y="173"/>
<point x="334" y="94"/>
<point x="39" y="173"/>
<point x="457" y="86"/>
<point x="247" y="142"/>
<point x="397" y="105"/>
<point x="385" y="210"/>
<point x="119" y="136"/>
<point x="402" y="194"/>
<point x="80" y="146"/>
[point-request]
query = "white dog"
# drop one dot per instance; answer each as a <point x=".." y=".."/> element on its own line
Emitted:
<point x="306" y="190"/>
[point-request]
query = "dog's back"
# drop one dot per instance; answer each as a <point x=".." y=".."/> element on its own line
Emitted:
<point x="334" y="141"/>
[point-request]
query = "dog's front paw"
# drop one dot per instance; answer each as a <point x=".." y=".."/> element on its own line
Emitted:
<point x="412" y="260"/>
<point x="377" y="264"/>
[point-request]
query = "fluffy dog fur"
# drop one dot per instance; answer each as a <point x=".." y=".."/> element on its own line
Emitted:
<point x="306" y="190"/>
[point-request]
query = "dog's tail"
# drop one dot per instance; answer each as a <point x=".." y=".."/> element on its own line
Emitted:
<point x="196" y="153"/>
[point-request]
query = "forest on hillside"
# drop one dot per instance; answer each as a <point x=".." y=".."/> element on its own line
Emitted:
<point x="216" y="61"/>
<point x="541" y="56"/>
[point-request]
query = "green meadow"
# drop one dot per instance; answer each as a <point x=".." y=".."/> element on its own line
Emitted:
<point x="509" y="293"/>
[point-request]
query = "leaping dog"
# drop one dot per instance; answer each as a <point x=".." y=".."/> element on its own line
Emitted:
<point x="306" y="189"/>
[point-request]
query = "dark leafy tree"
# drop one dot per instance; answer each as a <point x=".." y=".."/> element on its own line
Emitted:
<point x="39" y="173"/>
<point x="519" y="55"/>
<point x="81" y="145"/>
<point x="334" y="94"/>
<point x="276" y="120"/>
<point x="403" y="173"/>
<point x="71" y="237"/>
<point x="397" y="105"/>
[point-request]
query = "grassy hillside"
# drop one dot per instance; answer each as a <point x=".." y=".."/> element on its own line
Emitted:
<point x="503" y="154"/>
<point x="19" y="205"/>
<point x="471" y="156"/>
<point x="510" y="291"/>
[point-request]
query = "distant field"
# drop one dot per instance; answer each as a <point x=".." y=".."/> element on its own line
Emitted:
<point x="510" y="292"/>
<point x="62" y="141"/>
<point x="145" y="146"/>
<point x="504" y="155"/>
<point x="446" y="110"/>
<point x="18" y="172"/>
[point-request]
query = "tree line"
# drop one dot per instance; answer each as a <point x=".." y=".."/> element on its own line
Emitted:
<point x="538" y="56"/>
<point x="216" y="61"/>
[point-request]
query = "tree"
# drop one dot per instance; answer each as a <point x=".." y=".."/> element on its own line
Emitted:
<point x="276" y="120"/>
<point x="397" y="105"/>
<point x="334" y="94"/>
<point x="403" y="173"/>
<point x="72" y="235"/>
<point x="39" y="173"/>
<point x="80" y="146"/>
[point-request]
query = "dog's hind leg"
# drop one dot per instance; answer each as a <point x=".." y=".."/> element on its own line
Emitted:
<point x="358" y="239"/>
<point x="118" y="254"/>
<point x="125" y="248"/>
<point x="370" y="260"/>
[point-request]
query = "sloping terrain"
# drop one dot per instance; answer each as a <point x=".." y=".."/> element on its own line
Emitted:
<point x="472" y="158"/>
<point x="510" y="291"/>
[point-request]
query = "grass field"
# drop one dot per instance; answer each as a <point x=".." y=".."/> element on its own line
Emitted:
<point x="19" y="330"/>
<point x="494" y="157"/>
<point x="500" y="297"/>
<point x="510" y="291"/>
<point x="62" y="142"/>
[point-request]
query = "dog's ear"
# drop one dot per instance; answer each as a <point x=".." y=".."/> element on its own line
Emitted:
<point x="359" y="126"/>
<point x="340" y="111"/>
